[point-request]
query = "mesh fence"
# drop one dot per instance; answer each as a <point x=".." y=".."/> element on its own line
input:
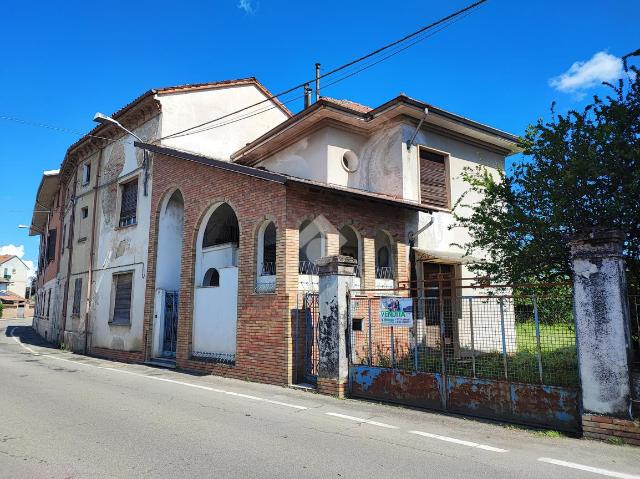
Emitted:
<point x="527" y="339"/>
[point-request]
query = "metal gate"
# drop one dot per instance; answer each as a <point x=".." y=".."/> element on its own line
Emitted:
<point x="307" y="315"/>
<point x="170" y="324"/>
<point x="502" y="357"/>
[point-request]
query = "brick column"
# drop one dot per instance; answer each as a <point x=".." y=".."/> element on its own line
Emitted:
<point x="336" y="275"/>
<point x="602" y="326"/>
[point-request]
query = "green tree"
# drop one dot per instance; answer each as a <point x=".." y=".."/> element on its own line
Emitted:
<point x="578" y="170"/>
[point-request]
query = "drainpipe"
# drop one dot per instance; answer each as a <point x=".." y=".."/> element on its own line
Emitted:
<point x="70" y="252"/>
<point x="92" y="252"/>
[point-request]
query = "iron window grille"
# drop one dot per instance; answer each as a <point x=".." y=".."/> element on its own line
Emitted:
<point x="129" y="203"/>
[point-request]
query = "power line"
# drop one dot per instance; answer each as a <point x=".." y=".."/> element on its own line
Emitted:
<point x="339" y="68"/>
<point x="51" y="127"/>
<point x="194" y="130"/>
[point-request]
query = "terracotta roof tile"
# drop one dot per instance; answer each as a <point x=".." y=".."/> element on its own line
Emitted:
<point x="348" y="104"/>
<point x="5" y="257"/>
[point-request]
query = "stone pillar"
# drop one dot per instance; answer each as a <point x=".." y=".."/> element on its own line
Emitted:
<point x="336" y="275"/>
<point x="602" y="322"/>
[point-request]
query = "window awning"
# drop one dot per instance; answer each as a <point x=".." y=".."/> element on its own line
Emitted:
<point x="444" y="256"/>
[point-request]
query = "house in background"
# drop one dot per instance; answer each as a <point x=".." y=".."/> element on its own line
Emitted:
<point x="14" y="275"/>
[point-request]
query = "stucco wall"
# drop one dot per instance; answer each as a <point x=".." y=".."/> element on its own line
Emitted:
<point x="183" y="110"/>
<point x="19" y="272"/>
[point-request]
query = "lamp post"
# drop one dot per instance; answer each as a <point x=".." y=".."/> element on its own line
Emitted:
<point x="105" y="119"/>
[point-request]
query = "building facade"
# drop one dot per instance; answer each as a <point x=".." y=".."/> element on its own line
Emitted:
<point x="196" y="245"/>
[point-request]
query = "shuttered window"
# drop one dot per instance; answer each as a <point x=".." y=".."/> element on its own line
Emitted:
<point x="434" y="184"/>
<point x="122" y="299"/>
<point x="129" y="203"/>
<point x="77" y="292"/>
<point x="51" y="246"/>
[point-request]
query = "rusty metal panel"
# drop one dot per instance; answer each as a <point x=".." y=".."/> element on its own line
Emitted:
<point x="533" y="404"/>
<point x="405" y="387"/>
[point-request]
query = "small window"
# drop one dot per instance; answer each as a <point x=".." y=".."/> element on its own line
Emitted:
<point x="51" y="246"/>
<point x="434" y="183"/>
<point x="77" y="292"/>
<point x="85" y="212"/>
<point x="122" y="298"/>
<point x="86" y="174"/>
<point x="49" y="305"/>
<point x="64" y="234"/>
<point x="211" y="278"/>
<point x="129" y="203"/>
<point x="357" y="324"/>
<point x="349" y="161"/>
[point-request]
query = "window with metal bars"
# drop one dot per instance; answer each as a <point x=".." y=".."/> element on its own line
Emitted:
<point x="77" y="293"/>
<point x="129" y="203"/>
<point x="122" y="298"/>
<point x="51" y="246"/>
<point x="434" y="183"/>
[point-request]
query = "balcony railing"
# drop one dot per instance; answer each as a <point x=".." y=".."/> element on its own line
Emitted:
<point x="384" y="272"/>
<point x="268" y="268"/>
<point x="307" y="267"/>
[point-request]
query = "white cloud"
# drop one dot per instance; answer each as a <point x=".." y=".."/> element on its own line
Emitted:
<point x="583" y="75"/>
<point x="13" y="250"/>
<point x="247" y="6"/>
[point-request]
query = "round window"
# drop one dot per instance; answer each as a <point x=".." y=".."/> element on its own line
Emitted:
<point x="349" y="161"/>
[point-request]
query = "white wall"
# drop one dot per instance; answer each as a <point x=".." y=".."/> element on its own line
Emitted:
<point x="120" y="249"/>
<point x="183" y="110"/>
<point x="19" y="272"/>
<point x="169" y="254"/>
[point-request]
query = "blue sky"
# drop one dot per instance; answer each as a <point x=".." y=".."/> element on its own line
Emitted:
<point x="63" y="61"/>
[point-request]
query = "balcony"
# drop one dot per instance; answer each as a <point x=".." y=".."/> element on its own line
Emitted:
<point x="266" y="281"/>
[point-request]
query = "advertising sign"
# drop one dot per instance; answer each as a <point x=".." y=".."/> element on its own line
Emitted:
<point x="396" y="312"/>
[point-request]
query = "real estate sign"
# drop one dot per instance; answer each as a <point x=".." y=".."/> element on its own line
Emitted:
<point x="396" y="312"/>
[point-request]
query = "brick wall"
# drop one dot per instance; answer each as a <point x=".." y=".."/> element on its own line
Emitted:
<point x="607" y="428"/>
<point x="266" y="335"/>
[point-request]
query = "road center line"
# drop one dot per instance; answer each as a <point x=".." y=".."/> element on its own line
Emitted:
<point x="156" y="378"/>
<point x="595" y="470"/>
<point x="361" y="420"/>
<point x="458" y="441"/>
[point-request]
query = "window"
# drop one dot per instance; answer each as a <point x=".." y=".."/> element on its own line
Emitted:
<point x="211" y="278"/>
<point x="268" y="266"/>
<point x="51" y="246"/>
<point x="49" y="304"/>
<point x="384" y="266"/>
<point x="85" y="212"/>
<point x="122" y="298"/>
<point x="129" y="203"/>
<point x="86" y="174"/>
<point x="222" y="227"/>
<point x="64" y="234"/>
<point x="434" y="184"/>
<point x="349" y="245"/>
<point x="349" y="161"/>
<point x="6" y="274"/>
<point x="311" y="247"/>
<point x="77" y="293"/>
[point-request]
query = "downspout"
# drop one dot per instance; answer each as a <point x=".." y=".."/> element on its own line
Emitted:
<point x="71" y="235"/>
<point x="92" y="252"/>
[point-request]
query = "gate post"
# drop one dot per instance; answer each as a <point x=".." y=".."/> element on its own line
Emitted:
<point x="602" y="329"/>
<point x="336" y="275"/>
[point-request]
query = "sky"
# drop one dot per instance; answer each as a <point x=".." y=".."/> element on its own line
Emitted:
<point x="502" y="65"/>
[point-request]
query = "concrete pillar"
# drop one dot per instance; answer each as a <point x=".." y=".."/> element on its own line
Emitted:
<point x="336" y="275"/>
<point x="602" y="321"/>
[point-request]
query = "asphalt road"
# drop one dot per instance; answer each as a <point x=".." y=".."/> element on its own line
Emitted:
<point x="69" y="416"/>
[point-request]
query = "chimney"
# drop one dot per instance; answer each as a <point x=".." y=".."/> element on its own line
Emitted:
<point x="317" y="81"/>
<point x="307" y="95"/>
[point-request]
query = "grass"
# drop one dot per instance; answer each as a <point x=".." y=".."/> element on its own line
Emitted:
<point x="558" y="358"/>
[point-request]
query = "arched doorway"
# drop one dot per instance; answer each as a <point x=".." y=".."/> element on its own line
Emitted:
<point x="215" y="312"/>
<point x="168" y="267"/>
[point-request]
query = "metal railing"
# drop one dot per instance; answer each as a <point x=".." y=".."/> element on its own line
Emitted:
<point x="524" y="339"/>
<point x="384" y="272"/>
<point x="268" y="268"/>
<point x="307" y="267"/>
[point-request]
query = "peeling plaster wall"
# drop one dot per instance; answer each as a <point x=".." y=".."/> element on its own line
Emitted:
<point x="120" y="249"/>
<point x="183" y="110"/>
<point x="600" y="307"/>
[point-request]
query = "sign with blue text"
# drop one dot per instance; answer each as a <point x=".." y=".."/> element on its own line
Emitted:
<point x="396" y="312"/>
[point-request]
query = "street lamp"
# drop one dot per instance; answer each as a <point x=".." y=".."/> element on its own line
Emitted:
<point x="104" y="120"/>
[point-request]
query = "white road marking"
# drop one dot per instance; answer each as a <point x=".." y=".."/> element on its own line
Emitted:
<point x="595" y="470"/>
<point x="156" y="378"/>
<point x="359" y="419"/>
<point x="458" y="441"/>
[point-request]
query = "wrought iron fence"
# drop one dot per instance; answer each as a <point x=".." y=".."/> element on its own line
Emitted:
<point x="384" y="272"/>
<point x="307" y="267"/>
<point x="529" y="339"/>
